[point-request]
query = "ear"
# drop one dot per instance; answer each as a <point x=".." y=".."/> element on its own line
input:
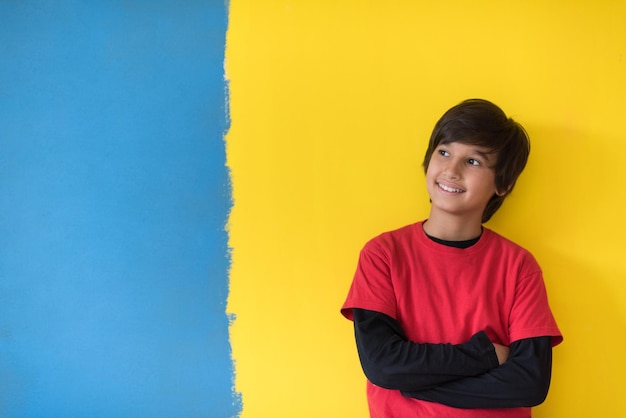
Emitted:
<point x="502" y="193"/>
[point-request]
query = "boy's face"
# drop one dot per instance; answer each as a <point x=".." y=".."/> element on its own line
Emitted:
<point x="460" y="179"/>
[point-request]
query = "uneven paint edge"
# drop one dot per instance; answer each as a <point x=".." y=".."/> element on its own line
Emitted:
<point x="237" y="400"/>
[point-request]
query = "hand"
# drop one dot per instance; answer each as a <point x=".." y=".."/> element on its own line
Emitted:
<point x="502" y="351"/>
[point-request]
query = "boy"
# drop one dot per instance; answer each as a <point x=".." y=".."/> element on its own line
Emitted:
<point x="450" y="318"/>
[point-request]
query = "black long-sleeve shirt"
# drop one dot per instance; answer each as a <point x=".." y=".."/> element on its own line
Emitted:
<point x="463" y="375"/>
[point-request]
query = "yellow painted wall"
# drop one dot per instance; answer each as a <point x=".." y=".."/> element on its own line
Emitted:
<point x="332" y="103"/>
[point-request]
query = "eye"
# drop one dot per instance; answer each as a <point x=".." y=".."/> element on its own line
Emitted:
<point x="473" y="161"/>
<point x="443" y="152"/>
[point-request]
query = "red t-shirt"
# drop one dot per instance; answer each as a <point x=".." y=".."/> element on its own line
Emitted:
<point x="442" y="294"/>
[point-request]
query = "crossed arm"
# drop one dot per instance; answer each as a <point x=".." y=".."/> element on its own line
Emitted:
<point x="474" y="374"/>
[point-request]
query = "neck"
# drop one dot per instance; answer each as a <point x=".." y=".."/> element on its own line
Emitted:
<point x="452" y="228"/>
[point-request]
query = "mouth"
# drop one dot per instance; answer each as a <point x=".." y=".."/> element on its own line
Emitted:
<point x="449" y="189"/>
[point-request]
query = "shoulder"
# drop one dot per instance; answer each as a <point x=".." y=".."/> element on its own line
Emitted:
<point x="402" y="237"/>
<point x="508" y="250"/>
<point x="501" y="240"/>
<point x="497" y="240"/>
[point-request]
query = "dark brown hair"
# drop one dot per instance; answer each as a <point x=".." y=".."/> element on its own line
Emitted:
<point x="480" y="122"/>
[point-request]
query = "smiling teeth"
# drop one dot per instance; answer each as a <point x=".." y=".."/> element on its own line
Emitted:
<point x="449" y="189"/>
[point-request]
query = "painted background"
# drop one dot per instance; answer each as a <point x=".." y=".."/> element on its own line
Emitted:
<point x="114" y="260"/>
<point x="332" y="104"/>
<point x="113" y="200"/>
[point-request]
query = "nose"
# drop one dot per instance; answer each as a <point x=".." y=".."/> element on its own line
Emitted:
<point x="453" y="170"/>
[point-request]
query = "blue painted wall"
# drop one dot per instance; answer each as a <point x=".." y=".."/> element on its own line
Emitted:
<point x="113" y="200"/>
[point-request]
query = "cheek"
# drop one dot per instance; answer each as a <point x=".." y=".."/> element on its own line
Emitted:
<point x="432" y="168"/>
<point x="430" y="178"/>
<point x="430" y="175"/>
<point x="491" y="182"/>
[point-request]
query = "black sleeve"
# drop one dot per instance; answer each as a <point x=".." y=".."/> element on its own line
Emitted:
<point x="522" y="381"/>
<point x="391" y="361"/>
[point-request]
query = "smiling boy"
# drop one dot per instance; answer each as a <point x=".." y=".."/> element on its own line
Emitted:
<point x="452" y="319"/>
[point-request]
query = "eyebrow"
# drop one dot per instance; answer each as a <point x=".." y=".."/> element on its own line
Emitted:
<point x="487" y="156"/>
<point x="482" y="154"/>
